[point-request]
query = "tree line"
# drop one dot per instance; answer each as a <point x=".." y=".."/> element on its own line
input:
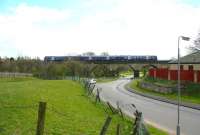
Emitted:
<point x="42" y="69"/>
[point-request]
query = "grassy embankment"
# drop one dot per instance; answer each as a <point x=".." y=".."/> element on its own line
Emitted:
<point x="130" y="73"/>
<point x="69" y="111"/>
<point x="191" y="92"/>
<point x="126" y="73"/>
<point x="110" y="79"/>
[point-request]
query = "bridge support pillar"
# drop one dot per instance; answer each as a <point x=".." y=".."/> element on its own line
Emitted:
<point x="136" y="73"/>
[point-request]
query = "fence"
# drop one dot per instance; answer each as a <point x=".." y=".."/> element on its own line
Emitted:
<point x="151" y="72"/>
<point x="198" y="76"/>
<point x="139" y="127"/>
<point x="9" y="74"/>
<point x="185" y="75"/>
<point x="42" y="107"/>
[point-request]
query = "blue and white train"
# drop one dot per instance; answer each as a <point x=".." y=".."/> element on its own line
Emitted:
<point x="117" y="58"/>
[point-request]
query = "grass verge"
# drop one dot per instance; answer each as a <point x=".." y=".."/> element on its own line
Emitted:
<point x="191" y="93"/>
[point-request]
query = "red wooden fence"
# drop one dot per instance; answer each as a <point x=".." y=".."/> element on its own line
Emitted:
<point x="151" y="72"/>
<point x="186" y="75"/>
<point x="173" y="75"/>
<point x="198" y="76"/>
<point x="162" y="73"/>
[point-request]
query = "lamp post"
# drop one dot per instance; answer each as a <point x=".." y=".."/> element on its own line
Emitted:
<point x="179" y="92"/>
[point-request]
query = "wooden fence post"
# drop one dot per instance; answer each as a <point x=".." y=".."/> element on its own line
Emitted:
<point x="120" y="110"/>
<point x="121" y="113"/>
<point x="133" y="106"/>
<point x="118" y="129"/>
<point x="106" y="125"/>
<point x="92" y="88"/>
<point x="41" y="118"/>
<point x="97" y="97"/>
<point x="139" y="126"/>
<point x="85" y="84"/>
<point x="90" y="91"/>
<point x="89" y="84"/>
<point x="112" y="108"/>
<point x="136" y="123"/>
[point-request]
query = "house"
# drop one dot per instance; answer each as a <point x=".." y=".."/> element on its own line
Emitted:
<point x="189" y="69"/>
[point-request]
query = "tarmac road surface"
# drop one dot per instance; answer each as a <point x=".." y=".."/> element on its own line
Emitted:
<point x="157" y="113"/>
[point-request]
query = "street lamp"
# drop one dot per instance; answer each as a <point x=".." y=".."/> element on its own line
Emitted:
<point x="179" y="92"/>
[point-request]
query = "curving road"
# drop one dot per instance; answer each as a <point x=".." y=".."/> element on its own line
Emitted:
<point x="157" y="113"/>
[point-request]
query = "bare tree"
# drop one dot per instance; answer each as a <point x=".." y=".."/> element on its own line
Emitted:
<point x="197" y="41"/>
<point x="196" y="44"/>
<point x="89" y="54"/>
<point x="104" y="54"/>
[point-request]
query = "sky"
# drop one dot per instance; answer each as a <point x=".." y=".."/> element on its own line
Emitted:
<point x="39" y="28"/>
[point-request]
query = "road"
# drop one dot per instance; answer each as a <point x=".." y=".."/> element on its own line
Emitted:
<point x="160" y="114"/>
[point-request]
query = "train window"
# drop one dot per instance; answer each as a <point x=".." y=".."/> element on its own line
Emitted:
<point x="52" y="58"/>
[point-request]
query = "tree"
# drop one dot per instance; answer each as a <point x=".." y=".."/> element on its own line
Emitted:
<point x="89" y="54"/>
<point x="197" y="41"/>
<point x="12" y="59"/>
<point x="196" y="44"/>
<point x="104" y="54"/>
<point x="73" y="68"/>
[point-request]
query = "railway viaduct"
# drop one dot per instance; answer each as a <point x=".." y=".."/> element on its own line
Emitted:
<point x="136" y="67"/>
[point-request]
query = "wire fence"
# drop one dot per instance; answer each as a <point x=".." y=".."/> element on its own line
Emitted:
<point x="36" y="107"/>
<point x="2" y="105"/>
<point x="139" y="127"/>
<point x="15" y="74"/>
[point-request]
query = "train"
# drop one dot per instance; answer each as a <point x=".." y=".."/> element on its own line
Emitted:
<point x="114" y="58"/>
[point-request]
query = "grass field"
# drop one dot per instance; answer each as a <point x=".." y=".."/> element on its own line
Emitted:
<point x="69" y="111"/>
<point x="190" y="94"/>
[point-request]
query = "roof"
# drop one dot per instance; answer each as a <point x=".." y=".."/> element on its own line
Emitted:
<point x="193" y="58"/>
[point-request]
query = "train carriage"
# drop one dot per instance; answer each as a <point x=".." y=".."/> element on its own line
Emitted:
<point x="122" y="58"/>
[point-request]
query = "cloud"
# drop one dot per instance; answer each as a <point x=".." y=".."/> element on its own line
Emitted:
<point x="30" y="30"/>
<point x="136" y="27"/>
